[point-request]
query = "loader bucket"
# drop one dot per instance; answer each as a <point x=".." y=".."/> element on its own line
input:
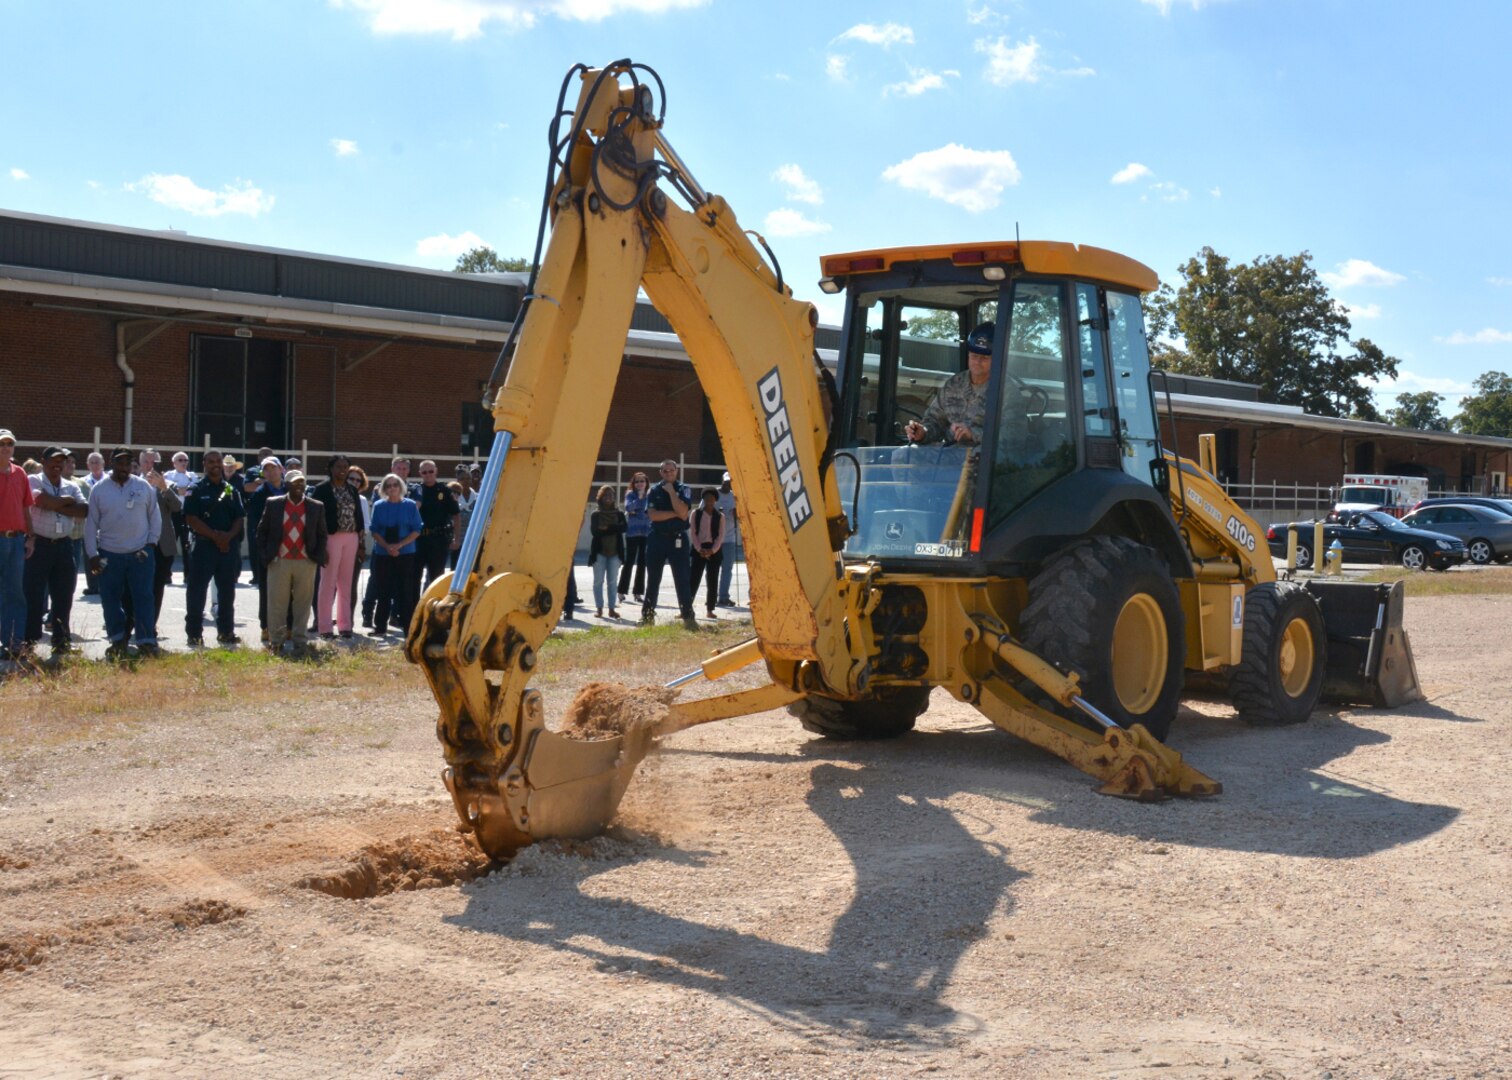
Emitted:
<point x="1369" y="655"/>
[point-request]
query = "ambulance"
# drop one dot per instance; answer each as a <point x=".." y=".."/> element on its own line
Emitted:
<point x="1395" y="495"/>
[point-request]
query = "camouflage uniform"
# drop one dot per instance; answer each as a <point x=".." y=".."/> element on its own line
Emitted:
<point x="957" y="402"/>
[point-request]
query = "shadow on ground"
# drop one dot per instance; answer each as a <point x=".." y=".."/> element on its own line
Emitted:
<point x="888" y="960"/>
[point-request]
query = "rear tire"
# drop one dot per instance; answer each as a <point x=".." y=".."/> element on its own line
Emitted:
<point x="891" y="713"/>
<point x="1279" y="676"/>
<point x="1304" y="556"/>
<point x="1480" y="551"/>
<point x="1107" y="609"/>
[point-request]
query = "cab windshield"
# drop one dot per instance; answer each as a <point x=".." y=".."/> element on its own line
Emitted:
<point x="932" y="434"/>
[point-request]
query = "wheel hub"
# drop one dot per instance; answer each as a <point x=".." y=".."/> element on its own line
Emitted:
<point x="1140" y="651"/>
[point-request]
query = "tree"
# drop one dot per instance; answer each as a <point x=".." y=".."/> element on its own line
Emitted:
<point x="1488" y="411"/>
<point x="1420" y="411"/>
<point x="484" y="260"/>
<point x="1270" y="322"/>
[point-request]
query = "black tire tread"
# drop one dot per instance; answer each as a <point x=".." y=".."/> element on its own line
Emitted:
<point x="1057" y="623"/>
<point x="1250" y="681"/>
<point x="888" y="715"/>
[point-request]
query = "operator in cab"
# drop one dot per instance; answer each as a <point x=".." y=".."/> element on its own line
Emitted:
<point x="957" y="411"/>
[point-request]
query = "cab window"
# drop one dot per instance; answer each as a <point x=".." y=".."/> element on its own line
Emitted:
<point x="1130" y="361"/>
<point x="1034" y="443"/>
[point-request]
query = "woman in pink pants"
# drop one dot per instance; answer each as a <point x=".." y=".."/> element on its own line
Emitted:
<point x="344" y="526"/>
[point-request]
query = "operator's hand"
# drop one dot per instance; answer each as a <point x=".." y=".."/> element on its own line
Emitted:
<point x="961" y="433"/>
<point x="914" y="431"/>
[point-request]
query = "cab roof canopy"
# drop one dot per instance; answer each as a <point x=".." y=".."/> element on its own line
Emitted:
<point x="1047" y="257"/>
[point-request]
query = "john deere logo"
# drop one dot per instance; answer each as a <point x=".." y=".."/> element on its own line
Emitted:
<point x="894" y="531"/>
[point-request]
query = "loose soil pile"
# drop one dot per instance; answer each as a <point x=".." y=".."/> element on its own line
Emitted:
<point x="440" y="857"/>
<point x="603" y="710"/>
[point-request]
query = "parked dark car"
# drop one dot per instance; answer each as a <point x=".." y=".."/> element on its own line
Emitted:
<point x="1489" y="502"/>
<point x="1372" y="536"/>
<point x="1487" y="533"/>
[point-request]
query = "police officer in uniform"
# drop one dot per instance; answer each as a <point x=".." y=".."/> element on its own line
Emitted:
<point x="959" y="408"/>
<point x="213" y="511"/>
<point x="440" y="514"/>
<point x="667" y="504"/>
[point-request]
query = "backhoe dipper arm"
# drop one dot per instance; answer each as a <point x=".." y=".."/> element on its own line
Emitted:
<point x="477" y="633"/>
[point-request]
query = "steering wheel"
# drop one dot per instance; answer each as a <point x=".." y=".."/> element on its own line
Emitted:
<point x="1036" y="401"/>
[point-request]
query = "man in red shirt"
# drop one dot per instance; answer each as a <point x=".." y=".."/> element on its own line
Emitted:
<point x="15" y="547"/>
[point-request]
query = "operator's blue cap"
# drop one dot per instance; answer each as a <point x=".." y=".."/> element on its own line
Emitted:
<point x="980" y="339"/>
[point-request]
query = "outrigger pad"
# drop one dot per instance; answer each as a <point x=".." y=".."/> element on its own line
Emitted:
<point x="1369" y="655"/>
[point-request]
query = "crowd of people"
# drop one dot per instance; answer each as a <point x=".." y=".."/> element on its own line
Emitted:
<point x="124" y="522"/>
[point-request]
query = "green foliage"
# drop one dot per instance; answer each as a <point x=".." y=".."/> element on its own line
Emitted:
<point x="1270" y="322"/>
<point x="484" y="260"/>
<point x="1420" y="411"/>
<point x="1488" y="411"/>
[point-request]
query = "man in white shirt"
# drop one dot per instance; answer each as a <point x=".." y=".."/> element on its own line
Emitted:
<point x="180" y="479"/>
<point x="50" y="570"/>
<point x="732" y="546"/>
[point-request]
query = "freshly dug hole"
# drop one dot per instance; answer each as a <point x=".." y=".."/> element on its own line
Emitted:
<point x="440" y="857"/>
<point x="603" y="710"/>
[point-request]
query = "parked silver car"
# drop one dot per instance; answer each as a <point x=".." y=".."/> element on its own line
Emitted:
<point x="1487" y="533"/>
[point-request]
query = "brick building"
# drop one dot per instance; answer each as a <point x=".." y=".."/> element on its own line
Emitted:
<point x="158" y="338"/>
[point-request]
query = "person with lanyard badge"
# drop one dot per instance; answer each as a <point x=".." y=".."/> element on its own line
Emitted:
<point x="395" y="528"/>
<point x="15" y="545"/>
<point x="342" y="505"/>
<point x="215" y="516"/>
<point x="292" y="537"/>
<point x="51" y="572"/>
<point x="668" y="505"/>
<point x="638" y="528"/>
<point x="439" y="514"/>
<point x="123" y="525"/>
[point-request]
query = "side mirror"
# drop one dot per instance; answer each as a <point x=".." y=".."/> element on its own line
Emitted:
<point x="1160" y="475"/>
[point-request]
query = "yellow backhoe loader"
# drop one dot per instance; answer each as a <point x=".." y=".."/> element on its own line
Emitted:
<point x="1056" y="569"/>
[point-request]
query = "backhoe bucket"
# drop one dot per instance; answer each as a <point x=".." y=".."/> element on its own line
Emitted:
<point x="1369" y="655"/>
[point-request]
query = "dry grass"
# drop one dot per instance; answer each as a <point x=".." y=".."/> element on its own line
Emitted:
<point x="1461" y="581"/>
<point x="96" y="698"/>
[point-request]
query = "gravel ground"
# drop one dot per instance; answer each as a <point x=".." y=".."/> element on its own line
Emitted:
<point x="279" y="891"/>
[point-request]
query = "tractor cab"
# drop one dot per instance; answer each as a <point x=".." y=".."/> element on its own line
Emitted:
<point x="1068" y="441"/>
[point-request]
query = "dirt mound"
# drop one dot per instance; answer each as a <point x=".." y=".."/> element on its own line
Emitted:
<point x="603" y="710"/>
<point x="429" y="861"/>
<point x="29" y="949"/>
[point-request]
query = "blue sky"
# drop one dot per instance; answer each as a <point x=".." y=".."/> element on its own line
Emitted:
<point x="1373" y="134"/>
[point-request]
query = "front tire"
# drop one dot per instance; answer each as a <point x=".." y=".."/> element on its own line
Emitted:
<point x="887" y="715"/>
<point x="1107" y="609"/>
<point x="1414" y="557"/>
<point x="1279" y="676"/>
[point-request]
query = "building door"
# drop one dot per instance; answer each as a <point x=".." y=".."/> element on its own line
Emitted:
<point x="240" y="390"/>
<point x="477" y="429"/>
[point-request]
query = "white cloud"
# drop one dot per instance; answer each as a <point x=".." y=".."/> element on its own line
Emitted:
<point x="1499" y="282"/>
<point x="799" y="187"/>
<point x="1353" y="272"/>
<point x="785" y="221"/>
<point x="1008" y="64"/>
<point x="835" y="67"/>
<point x="920" y="81"/>
<point x="1170" y="192"/>
<point x="464" y="19"/>
<point x="1410" y="382"/>
<point x="1077" y="73"/>
<point x="1165" y="6"/>
<point x="1487" y="336"/>
<point x="1362" y="311"/>
<point x="345" y="148"/>
<point x="182" y="193"/>
<point x="1130" y="172"/>
<point x="20" y="174"/>
<point x="444" y="244"/>
<point x="1216" y="192"/>
<point x="93" y="185"/>
<point x="971" y="179"/>
<point x="887" y="35"/>
<point x="981" y="16"/>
